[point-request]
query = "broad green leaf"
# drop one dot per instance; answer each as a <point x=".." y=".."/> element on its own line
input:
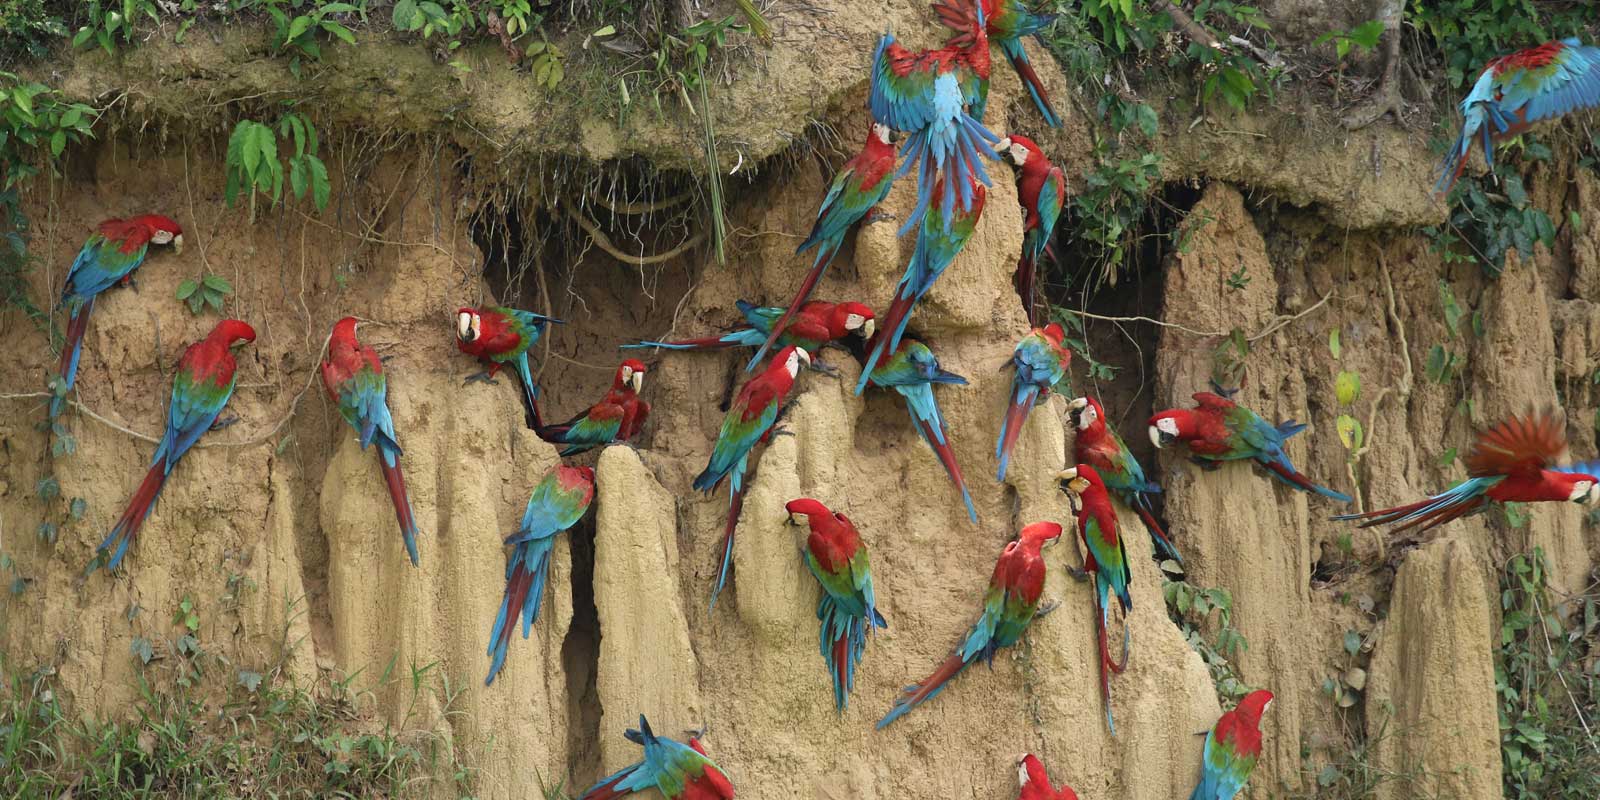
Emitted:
<point x="320" y="189"/>
<point x="1334" y="346"/>
<point x="1349" y="429"/>
<point x="297" y="176"/>
<point x="1347" y="387"/>
<point x="218" y="283"/>
<point x="406" y="16"/>
<point x="298" y="27"/>
<point x="187" y="288"/>
<point x="340" y="31"/>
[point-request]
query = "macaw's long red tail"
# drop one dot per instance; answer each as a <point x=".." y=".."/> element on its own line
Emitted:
<point x="126" y="530"/>
<point x="706" y="343"/>
<point x="71" y="348"/>
<point x="518" y="584"/>
<point x="1163" y="543"/>
<point x="890" y="330"/>
<point x="609" y="787"/>
<point x="402" y="503"/>
<point x="919" y="693"/>
<point x="939" y="440"/>
<point x="824" y="257"/>
<point x="1107" y="665"/>
<point x="1022" y="400"/>
<point x="1025" y="280"/>
<point x="1291" y="476"/>
<point x="1458" y="501"/>
<point x="735" y="506"/>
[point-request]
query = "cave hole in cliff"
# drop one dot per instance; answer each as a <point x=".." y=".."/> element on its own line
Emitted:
<point x="580" y="660"/>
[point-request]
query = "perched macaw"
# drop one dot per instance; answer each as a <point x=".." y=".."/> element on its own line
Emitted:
<point x="1008" y="22"/>
<point x="1232" y="748"/>
<point x="354" y="378"/>
<point x="817" y="324"/>
<point x="1035" y="782"/>
<point x="110" y="255"/>
<point x="557" y="503"/>
<point x="1106" y="560"/>
<point x="912" y="370"/>
<point x="940" y="239"/>
<point x="1100" y="447"/>
<point x="678" y="771"/>
<point x="847" y="609"/>
<point x="857" y="189"/>
<point x="1513" y="462"/>
<point x="1042" y="191"/>
<point x="618" y="416"/>
<point x="201" y="387"/>
<point x="1011" y="603"/>
<point x="1039" y="365"/>
<point x="1517" y="90"/>
<point x="1218" y="429"/>
<point x="750" y="420"/>
<point x="500" y="337"/>
<point x="938" y="98"/>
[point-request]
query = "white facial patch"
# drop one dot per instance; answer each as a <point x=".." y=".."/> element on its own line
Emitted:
<point x="1086" y="417"/>
<point x="161" y="237"/>
<point x="1022" y="771"/>
<point x="1265" y="706"/>
<point x="881" y="131"/>
<point x="795" y="358"/>
<point x="1019" y="153"/>
<point x="853" y="321"/>
<point x="1168" y="426"/>
<point x="1580" y="491"/>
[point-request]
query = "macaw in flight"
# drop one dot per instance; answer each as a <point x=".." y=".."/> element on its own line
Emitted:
<point x="1008" y="22"/>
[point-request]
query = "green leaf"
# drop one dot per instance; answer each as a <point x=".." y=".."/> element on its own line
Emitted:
<point x="58" y="142"/>
<point x="249" y="680"/>
<point x="217" y="283"/>
<point x="1352" y="642"/>
<point x="186" y="289"/>
<point x="297" y="176"/>
<point x="406" y="16"/>
<point x="604" y="31"/>
<point x="298" y="27"/>
<point x="337" y="8"/>
<point x="1334" y="347"/>
<point x="320" y="188"/>
<point x="340" y="31"/>
<point x="1367" y="33"/>
<point x="1452" y="310"/>
<point x="1347" y="388"/>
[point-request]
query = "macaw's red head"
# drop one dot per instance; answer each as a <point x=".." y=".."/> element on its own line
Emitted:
<point x="789" y="360"/>
<point x="804" y="509"/>
<point x="469" y="330"/>
<point x="161" y="230"/>
<point x="1034" y="781"/>
<point x="1082" y="480"/>
<point x="1580" y="488"/>
<point x="1037" y="534"/>
<point x="631" y="373"/>
<point x="569" y="476"/>
<point x="1019" y="150"/>
<point x="880" y="137"/>
<point x="344" y="331"/>
<point x="1055" y="333"/>
<point x="1171" y="426"/>
<point x="1086" y="414"/>
<point x="1253" y="706"/>
<point x="232" y="332"/>
<point x="853" y="318"/>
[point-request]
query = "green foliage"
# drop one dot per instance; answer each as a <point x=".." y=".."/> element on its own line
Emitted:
<point x="1490" y="225"/>
<point x="253" y="163"/>
<point x="549" y="63"/>
<point x="1467" y="33"/>
<point x="107" y="20"/>
<point x="208" y="290"/>
<point x="1228" y="359"/>
<point x="1122" y="25"/>
<point x="1364" y="36"/>
<point x="1190" y="607"/>
<point x="1077" y="341"/>
<point x="15" y="261"/>
<point x="1548" y="683"/>
<point x="27" y="28"/>
<point x="296" y="25"/>
<point x="36" y="124"/>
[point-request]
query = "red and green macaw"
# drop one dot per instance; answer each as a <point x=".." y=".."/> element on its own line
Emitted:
<point x="1035" y="782"/>
<point x="1039" y="365"/>
<point x="817" y="324"/>
<point x="678" y="771"/>
<point x="1008" y="22"/>
<point x="353" y="376"/>
<point x="1100" y="447"/>
<point x="557" y="503"/>
<point x="1106" y="561"/>
<point x="847" y="609"/>
<point x="1513" y="462"/>
<point x="618" y="416"/>
<point x="1042" y="191"/>
<point x="109" y="256"/>
<point x="938" y="98"/>
<point x="1517" y="90"/>
<point x="941" y="238"/>
<point x="912" y="370"/>
<point x="200" y="389"/>
<point x="1011" y="603"/>
<point x="500" y="337"/>
<point x="857" y="189"/>
<point x="1232" y="749"/>
<point x="750" y="420"/>
<point x="1218" y="429"/>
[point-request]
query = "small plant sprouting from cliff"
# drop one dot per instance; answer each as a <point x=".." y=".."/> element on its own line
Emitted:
<point x="1548" y="681"/>
<point x="1467" y="33"/>
<point x="1486" y="225"/>
<point x="254" y="165"/>
<point x="1190" y="607"/>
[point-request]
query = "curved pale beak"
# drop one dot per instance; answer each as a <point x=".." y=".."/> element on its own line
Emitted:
<point x="1022" y="769"/>
<point x="797" y="518"/>
<point x="464" y="325"/>
<point x="1078" y="403"/>
<point x="804" y="355"/>
<point x="637" y="379"/>
<point x="177" y="244"/>
<point x="1002" y="146"/>
<point x="1074" y="483"/>
<point x="868" y="328"/>
<point x="1155" y="436"/>
<point x="1592" y="496"/>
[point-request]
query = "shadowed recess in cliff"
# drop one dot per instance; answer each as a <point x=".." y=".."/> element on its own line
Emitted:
<point x="580" y="655"/>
